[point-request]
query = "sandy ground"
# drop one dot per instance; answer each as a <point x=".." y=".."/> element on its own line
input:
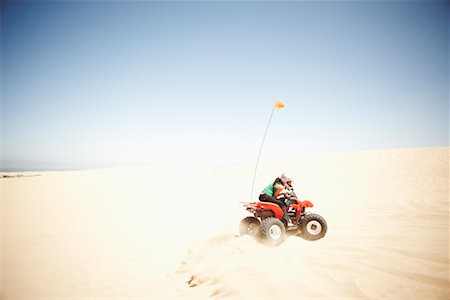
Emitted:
<point x="147" y="232"/>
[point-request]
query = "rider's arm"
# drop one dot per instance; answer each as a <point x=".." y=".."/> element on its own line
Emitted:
<point x="278" y="190"/>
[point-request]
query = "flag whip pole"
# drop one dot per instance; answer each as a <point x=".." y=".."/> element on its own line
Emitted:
<point x="278" y="105"/>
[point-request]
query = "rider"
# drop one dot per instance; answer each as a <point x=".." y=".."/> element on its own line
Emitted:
<point x="276" y="190"/>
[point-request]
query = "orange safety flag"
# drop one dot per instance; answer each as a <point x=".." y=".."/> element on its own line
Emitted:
<point x="278" y="105"/>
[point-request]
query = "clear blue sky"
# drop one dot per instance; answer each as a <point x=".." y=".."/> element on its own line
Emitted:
<point x="112" y="82"/>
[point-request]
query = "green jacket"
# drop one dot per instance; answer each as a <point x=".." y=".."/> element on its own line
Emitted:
<point x="270" y="189"/>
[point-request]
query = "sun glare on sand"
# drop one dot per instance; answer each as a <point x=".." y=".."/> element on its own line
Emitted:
<point x="141" y="232"/>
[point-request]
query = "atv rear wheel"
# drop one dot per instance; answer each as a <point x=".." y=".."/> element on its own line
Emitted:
<point x="250" y="226"/>
<point x="272" y="231"/>
<point x="313" y="227"/>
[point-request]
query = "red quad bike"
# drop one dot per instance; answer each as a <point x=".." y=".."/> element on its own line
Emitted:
<point x="267" y="221"/>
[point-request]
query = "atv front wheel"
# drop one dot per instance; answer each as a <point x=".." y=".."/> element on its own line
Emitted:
<point x="313" y="227"/>
<point x="250" y="226"/>
<point x="272" y="231"/>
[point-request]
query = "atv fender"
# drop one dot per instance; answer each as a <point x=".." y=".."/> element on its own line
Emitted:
<point x="300" y="207"/>
<point x="273" y="207"/>
<point x="306" y="203"/>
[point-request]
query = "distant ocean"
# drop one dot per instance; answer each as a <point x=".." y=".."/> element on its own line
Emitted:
<point x="33" y="166"/>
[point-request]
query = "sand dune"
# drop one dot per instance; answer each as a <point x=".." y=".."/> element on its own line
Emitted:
<point x="142" y="232"/>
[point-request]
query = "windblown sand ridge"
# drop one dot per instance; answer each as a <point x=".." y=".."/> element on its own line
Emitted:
<point x="144" y="232"/>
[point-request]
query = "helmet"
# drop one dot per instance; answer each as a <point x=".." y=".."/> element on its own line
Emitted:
<point x="286" y="178"/>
